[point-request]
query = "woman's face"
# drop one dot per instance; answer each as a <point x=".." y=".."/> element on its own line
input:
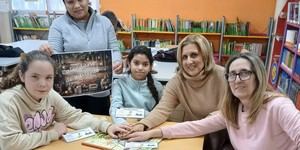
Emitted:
<point x="140" y="67"/>
<point x="192" y="62"/>
<point x="38" y="79"/>
<point x="241" y="79"/>
<point x="78" y="9"/>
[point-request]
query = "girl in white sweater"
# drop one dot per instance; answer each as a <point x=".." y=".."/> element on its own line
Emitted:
<point x="33" y="114"/>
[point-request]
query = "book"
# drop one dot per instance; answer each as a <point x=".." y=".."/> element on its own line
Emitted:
<point x="103" y="141"/>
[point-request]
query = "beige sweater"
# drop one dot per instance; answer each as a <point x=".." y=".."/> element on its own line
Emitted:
<point x="25" y="123"/>
<point x="198" y="97"/>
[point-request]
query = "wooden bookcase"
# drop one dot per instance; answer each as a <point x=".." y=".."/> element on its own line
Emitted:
<point x="285" y="67"/>
<point x="288" y="72"/>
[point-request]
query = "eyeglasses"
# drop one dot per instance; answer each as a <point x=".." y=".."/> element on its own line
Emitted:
<point x="243" y="75"/>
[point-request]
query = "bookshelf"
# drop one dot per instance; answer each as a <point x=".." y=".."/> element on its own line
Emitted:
<point x="237" y="37"/>
<point x="285" y="68"/>
<point x="152" y="32"/>
<point x="224" y="41"/>
<point x="31" y="19"/>
<point x="29" y="24"/>
<point x="288" y="72"/>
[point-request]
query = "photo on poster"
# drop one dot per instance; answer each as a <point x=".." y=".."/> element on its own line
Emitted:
<point x="83" y="72"/>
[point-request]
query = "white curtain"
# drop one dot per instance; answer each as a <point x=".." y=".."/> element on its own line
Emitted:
<point x="29" y="4"/>
<point x="53" y="5"/>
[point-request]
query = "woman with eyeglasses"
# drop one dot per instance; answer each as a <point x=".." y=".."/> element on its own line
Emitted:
<point x="255" y="117"/>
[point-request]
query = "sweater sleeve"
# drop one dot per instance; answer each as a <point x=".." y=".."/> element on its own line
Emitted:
<point x="12" y="135"/>
<point x="289" y="118"/>
<point x="117" y="102"/>
<point x="74" y="118"/>
<point x="195" y="128"/>
<point x="55" y="38"/>
<point x="113" y="44"/>
<point x="164" y="108"/>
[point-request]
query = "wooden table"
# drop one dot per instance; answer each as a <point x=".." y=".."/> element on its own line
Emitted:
<point x="173" y="144"/>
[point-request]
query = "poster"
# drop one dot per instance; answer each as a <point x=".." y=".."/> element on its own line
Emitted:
<point x="83" y="73"/>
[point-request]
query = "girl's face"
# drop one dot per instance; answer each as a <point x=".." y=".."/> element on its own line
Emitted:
<point x="140" y="66"/>
<point x="38" y="79"/>
<point x="78" y="9"/>
<point x="192" y="62"/>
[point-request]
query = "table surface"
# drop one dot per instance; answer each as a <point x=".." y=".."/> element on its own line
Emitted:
<point x="166" y="144"/>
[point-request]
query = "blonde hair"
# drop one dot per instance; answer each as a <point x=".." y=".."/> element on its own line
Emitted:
<point x="204" y="48"/>
<point x="230" y="103"/>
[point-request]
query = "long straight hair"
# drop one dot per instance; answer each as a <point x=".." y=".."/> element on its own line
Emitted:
<point x="230" y="103"/>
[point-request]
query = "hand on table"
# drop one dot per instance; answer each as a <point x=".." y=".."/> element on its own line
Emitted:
<point x="114" y="130"/>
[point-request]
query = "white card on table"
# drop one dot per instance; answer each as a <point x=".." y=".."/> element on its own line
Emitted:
<point x="130" y="113"/>
<point x="141" y="145"/>
<point x="78" y="134"/>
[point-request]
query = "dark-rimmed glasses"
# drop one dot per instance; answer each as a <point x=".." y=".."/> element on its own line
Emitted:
<point x="243" y="75"/>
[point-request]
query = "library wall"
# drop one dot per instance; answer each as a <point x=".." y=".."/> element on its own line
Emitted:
<point x="257" y="12"/>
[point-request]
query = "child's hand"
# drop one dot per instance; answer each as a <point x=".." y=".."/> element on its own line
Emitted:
<point x="115" y="130"/>
<point x="60" y="128"/>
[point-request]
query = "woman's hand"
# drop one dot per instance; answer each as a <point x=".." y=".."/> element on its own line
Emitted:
<point x="46" y="48"/>
<point x="138" y="127"/>
<point x="114" y="130"/>
<point x="143" y="136"/>
<point x="118" y="67"/>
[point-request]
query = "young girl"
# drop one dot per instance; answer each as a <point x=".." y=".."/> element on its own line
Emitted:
<point x="138" y="89"/>
<point x="33" y="114"/>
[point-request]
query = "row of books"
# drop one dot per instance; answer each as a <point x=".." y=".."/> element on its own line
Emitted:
<point x="153" y="43"/>
<point x="294" y="93"/>
<point x="297" y="69"/>
<point x="238" y="28"/>
<point x="293" y="13"/>
<point x="287" y="59"/>
<point x="283" y="82"/>
<point x="150" y="24"/>
<point x="20" y="37"/>
<point x="234" y="47"/>
<point x="289" y="87"/>
<point x="200" y="26"/>
<point x="291" y="38"/>
<point x="31" y="21"/>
